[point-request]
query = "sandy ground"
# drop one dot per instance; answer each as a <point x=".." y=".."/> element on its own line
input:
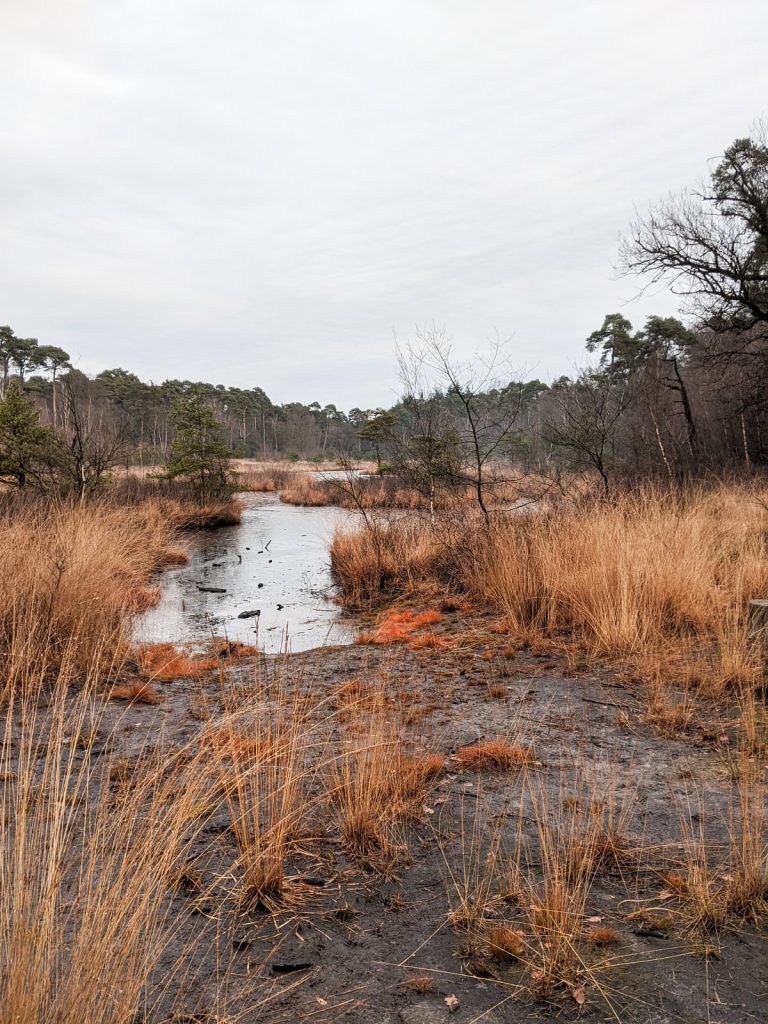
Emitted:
<point x="346" y="946"/>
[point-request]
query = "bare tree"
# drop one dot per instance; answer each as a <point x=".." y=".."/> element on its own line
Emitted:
<point x="710" y="244"/>
<point x="487" y="397"/>
<point x="97" y="434"/>
<point x="586" y="420"/>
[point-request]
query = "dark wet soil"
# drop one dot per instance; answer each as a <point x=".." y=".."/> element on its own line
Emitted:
<point x="349" y="943"/>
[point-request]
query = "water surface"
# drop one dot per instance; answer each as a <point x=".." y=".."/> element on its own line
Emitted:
<point x="275" y="561"/>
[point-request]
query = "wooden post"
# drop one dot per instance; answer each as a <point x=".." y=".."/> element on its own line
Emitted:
<point x="757" y="622"/>
<point x="757" y="626"/>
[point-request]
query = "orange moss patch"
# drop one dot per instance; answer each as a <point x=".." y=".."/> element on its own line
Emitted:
<point x="137" y="692"/>
<point x="495" y="755"/>
<point x="397" y="627"/>
<point x="165" y="661"/>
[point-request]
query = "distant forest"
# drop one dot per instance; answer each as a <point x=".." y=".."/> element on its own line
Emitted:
<point x="661" y="399"/>
<point x="666" y="398"/>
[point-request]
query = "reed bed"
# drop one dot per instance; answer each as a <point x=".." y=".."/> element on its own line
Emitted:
<point x="71" y="575"/>
<point x="657" y="577"/>
<point x="176" y="500"/>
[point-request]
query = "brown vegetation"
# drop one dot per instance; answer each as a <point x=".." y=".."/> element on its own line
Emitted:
<point x="178" y="502"/>
<point x="375" y="784"/>
<point x="401" y="625"/>
<point x="658" y="578"/>
<point x="298" y="774"/>
<point x="70" y="577"/>
<point x="259" y="766"/>
<point x="83" y="908"/>
<point x="494" y="755"/>
<point x="138" y="690"/>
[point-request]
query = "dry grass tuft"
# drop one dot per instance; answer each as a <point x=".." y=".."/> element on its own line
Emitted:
<point x="306" y="490"/>
<point x="142" y="597"/>
<point x="258" y="761"/>
<point x="136" y="692"/>
<point x="504" y="942"/>
<point x="554" y="900"/>
<point x="417" y="772"/>
<point x="421" y="983"/>
<point x="388" y="560"/>
<point x="497" y="692"/>
<point x="84" y="913"/>
<point x="494" y="755"/>
<point x="374" y="784"/>
<point x="603" y="935"/>
<point x="722" y="888"/>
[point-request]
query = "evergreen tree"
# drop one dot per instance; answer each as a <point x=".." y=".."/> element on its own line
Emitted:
<point x="28" y="450"/>
<point x="198" y="453"/>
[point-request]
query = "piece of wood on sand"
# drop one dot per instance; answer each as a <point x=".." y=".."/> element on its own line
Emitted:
<point x="758" y="620"/>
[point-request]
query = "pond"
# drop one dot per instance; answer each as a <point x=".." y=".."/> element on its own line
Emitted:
<point x="275" y="562"/>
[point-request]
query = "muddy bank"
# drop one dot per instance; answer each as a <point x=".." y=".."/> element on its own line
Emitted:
<point x="352" y="944"/>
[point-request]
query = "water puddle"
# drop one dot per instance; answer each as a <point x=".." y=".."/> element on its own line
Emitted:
<point x="276" y="563"/>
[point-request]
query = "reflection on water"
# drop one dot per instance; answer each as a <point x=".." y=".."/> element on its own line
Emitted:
<point x="275" y="562"/>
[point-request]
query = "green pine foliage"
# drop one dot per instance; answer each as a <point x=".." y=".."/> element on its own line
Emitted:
<point x="199" y="454"/>
<point x="29" y="451"/>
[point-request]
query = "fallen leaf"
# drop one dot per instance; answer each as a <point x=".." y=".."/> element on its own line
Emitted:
<point x="579" y="996"/>
<point x="452" y="1003"/>
<point x="595" y="920"/>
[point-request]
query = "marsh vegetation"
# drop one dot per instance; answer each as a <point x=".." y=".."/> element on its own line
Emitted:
<point x="534" y="784"/>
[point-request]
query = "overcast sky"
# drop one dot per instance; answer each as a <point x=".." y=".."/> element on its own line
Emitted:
<point x="263" y="193"/>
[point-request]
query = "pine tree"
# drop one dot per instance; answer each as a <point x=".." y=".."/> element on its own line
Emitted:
<point x="28" y="450"/>
<point x="198" y="453"/>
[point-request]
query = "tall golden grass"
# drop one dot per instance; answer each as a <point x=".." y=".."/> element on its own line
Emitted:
<point x="653" y="571"/>
<point x="84" y="873"/>
<point x="260" y="762"/>
<point x="70" y="578"/>
<point x="383" y="560"/>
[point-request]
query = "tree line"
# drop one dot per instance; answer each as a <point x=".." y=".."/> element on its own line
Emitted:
<point x="673" y="397"/>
